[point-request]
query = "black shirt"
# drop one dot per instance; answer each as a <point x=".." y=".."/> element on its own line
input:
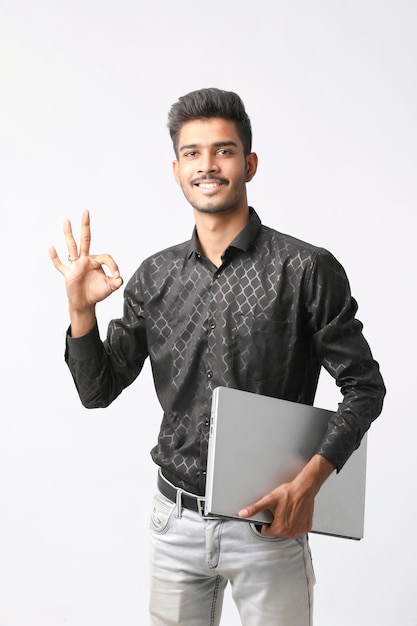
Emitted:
<point x="265" y="321"/>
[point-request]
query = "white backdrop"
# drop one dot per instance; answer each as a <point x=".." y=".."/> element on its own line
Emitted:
<point x="85" y="88"/>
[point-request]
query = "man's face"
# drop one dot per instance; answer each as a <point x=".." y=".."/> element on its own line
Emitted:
<point x="212" y="169"/>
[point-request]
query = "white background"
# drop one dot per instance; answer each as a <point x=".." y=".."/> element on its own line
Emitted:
<point x="330" y="87"/>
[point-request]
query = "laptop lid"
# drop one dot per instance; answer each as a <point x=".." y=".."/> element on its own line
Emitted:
<point x="257" y="442"/>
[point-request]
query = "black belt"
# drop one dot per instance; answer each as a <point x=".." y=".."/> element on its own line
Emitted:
<point x="188" y="500"/>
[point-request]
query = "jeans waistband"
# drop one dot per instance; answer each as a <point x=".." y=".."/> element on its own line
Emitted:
<point x="188" y="500"/>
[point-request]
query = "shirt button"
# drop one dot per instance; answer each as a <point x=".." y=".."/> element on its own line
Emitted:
<point x="209" y="374"/>
<point x="212" y="325"/>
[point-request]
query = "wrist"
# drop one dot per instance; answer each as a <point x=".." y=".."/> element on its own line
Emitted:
<point x="82" y="322"/>
<point x="315" y="473"/>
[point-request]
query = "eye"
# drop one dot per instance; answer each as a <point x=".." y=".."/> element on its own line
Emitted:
<point x="224" y="152"/>
<point x="190" y="153"/>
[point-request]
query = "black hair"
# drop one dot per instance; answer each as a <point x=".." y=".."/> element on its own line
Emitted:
<point x="206" y="104"/>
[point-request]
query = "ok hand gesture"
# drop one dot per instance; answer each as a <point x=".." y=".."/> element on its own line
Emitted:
<point x="85" y="279"/>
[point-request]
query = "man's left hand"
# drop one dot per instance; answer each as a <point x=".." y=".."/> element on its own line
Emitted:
<point x="292" y="503"/>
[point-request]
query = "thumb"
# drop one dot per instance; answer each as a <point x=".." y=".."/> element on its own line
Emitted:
<point x="116" y="281"/>
<point x="253" y="509"/>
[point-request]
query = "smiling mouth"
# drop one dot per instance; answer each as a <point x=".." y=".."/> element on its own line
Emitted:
<point x="211" y="183"/>
<point x="208" y="185"/>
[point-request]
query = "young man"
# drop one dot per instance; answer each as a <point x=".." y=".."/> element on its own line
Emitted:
<point x="238" y="305"/>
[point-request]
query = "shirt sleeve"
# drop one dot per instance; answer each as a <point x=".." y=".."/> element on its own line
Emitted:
<point x="345" y="354"/>
<point x="102" y="369"/>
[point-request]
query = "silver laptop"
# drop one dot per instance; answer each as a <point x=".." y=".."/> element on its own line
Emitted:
<point x="257" y="442"/>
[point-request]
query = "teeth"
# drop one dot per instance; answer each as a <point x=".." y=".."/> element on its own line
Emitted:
<point x="208" y="185"/>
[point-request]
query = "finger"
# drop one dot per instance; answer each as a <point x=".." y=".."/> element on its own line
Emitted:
<point x="115" y="282"/>
<point x="55" y="259"/>
<point x="268" y="530"/>
<point x="253" y="509"/>
<point x="85" y="240"/>
<point x="69" y="239"/>
<point x="109" y="262"/>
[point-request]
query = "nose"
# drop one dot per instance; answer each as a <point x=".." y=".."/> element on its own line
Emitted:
<point x="207" y="163"/>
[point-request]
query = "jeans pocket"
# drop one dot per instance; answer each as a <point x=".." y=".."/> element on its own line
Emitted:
<point x="255" y="530"/>
<point x="162" y="511"/>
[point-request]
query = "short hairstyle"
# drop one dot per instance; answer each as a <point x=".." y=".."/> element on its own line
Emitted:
<point x="206" y="104"/>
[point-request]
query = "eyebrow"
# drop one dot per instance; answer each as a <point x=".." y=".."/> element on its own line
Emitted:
<point x="216" y="144"/>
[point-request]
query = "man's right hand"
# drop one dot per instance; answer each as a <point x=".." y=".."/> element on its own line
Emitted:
<point x="85" y="279"/>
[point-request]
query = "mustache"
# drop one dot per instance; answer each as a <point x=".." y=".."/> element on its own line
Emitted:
<point x="205" y="178"/>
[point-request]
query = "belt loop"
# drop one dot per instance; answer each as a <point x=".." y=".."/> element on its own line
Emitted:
<point x="178" y="504"/>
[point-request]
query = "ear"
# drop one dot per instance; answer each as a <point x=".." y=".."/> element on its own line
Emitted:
<point x="175" y="169"/>
<point x="251" y="166"/>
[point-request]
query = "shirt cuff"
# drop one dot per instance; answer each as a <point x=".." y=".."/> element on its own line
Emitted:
<point x="83" y="347"/>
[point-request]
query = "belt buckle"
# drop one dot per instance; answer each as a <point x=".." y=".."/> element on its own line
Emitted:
<point x="201" y="507"/>
<point x="201" y="502"/>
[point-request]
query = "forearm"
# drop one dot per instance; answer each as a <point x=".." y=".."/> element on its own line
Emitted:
<point x="344" y="352"/>
<point x="89" y="365"/>
<point x="101" y="370"/>
<point x="362" y="403"/>
<point x="314" y="474"/>
<point x="82" y="322"/>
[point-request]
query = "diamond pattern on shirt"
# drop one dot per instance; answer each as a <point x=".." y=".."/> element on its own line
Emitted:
<point x="266" y="321"/>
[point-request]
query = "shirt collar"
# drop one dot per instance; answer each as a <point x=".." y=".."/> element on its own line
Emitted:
<point x="242" y="241"/>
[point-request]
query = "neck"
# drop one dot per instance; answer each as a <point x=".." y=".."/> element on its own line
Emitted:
<point x="217" y="231"/>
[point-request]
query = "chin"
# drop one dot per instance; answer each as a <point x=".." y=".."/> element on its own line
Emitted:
<point x="210" y="211"/>
<point x="213" y="210"/>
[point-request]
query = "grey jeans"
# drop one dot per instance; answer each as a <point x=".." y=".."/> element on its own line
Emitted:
<point x="193" y="559"/>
